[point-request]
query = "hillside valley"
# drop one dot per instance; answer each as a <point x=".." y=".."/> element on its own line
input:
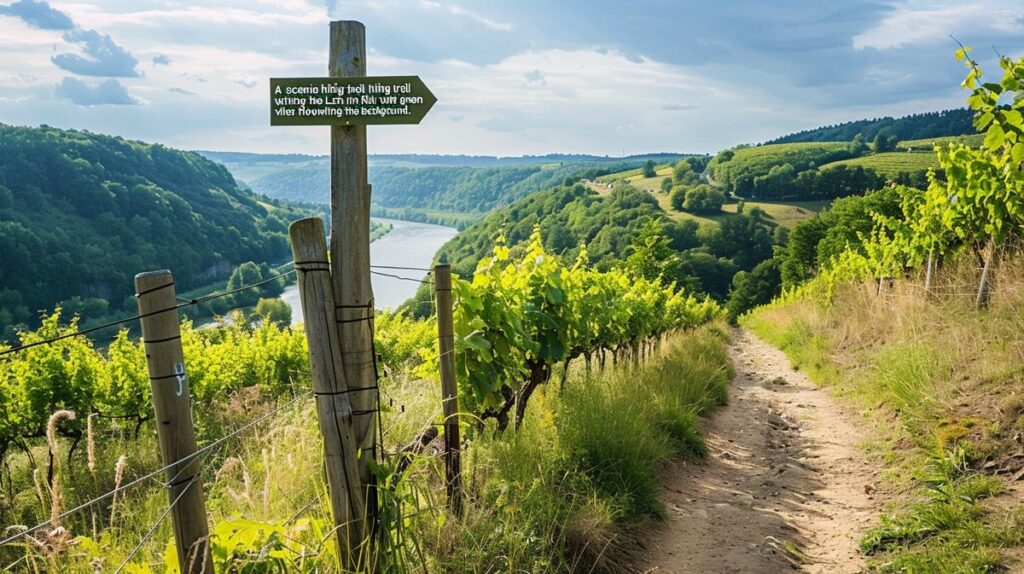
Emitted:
<point x="447" y="190"/>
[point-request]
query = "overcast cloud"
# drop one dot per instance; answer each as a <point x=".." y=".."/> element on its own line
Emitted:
<point x="530" y="76"/>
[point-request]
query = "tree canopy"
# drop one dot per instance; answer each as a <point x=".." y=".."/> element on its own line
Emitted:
<point x="82" y="213"/>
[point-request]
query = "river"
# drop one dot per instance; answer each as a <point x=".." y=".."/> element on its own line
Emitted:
<point x="408" y="244"/>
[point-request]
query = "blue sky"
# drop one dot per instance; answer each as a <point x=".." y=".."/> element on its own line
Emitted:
<point x="511" y="77"/>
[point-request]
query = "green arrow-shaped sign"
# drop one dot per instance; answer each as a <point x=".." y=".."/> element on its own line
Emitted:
<point x="348" y="101"/>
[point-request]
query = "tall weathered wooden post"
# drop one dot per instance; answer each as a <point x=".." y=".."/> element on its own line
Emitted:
<point x="348" y="101"/>
<point x="350" y="252"/>
<point x="334" y="410"/>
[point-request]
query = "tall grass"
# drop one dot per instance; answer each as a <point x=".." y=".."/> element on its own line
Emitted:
<point x="949" y="377"/>
<point x="558" y="496"/>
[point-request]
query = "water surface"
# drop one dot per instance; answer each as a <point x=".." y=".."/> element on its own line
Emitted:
<point x="408" y="244"/>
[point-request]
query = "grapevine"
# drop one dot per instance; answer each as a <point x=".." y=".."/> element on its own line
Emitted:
<point x="516" y="319"/>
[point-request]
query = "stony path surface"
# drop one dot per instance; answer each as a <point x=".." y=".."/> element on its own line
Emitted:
<point x="785" y="486"/>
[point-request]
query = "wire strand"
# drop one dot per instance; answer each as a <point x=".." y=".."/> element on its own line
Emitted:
<point x="401" y="268"/>
<point x="399" y="277"/>
<point x="240" y="289"/>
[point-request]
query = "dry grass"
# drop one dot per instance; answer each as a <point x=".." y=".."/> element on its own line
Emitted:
<point x="934" y="374"/>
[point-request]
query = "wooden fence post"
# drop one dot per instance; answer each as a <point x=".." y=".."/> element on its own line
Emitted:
<point x="449" y="386"/>
<point x="350" y="255"/>
<point x="334" y="410"/>
<point x="928" y="271"/>
<point x="173" y="405"/>
<point x="984" y="286"/>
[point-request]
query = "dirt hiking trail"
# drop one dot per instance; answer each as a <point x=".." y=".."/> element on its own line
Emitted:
<point x="785" y="486"/>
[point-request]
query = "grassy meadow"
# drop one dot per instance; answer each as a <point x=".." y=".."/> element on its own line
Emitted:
<point x="784" y="213"/>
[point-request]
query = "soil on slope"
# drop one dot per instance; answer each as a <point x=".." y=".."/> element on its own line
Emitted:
<point x="785" y="486"/>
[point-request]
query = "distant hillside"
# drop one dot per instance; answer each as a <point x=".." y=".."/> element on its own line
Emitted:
<point x="741" y="170"/>
<point x="614" y="224"/>
<point x="569" y="216"/>
<point x="892" y="165"/>
<point x="82" y="213"/>
<point x="427" y="160"/>
<point x="446" y="194"/>
<point x="913" y="127"/>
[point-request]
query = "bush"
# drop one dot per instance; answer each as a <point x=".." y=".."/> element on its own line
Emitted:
<point x="758" y="287"/>
<point x="683" y="173"/>
<point x="678" y="197"/>
<point x="703" y="199"/>
<point x="274" y="311"/>
<point x="648" y="169"/>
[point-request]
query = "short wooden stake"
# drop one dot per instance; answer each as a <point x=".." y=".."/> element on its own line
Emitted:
<point x="928" y="271"/>
<point x="984" y="286"/>
<point x="334" y="410"/>
<point x="173" y="405"/>
<point x="449" y="386"/>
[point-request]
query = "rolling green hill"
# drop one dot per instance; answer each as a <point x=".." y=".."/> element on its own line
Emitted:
<point x="812" y="171"/>
<point x="782" y="213"/>
<point x="82" y="213"/>
<point x="450" y="190"/>
<point x="892" y="165"/>
<point x="738" y="170"/>
<point x="840" y="160"/>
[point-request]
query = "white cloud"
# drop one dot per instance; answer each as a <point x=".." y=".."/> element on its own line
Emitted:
<point x="584" y="94"/>
<point x="461" y="12"/>
<point x="530" y="76"/>
<point x="108" y="93"/>
<point x="289" y="13"/>
<point x="98" y="55"/>
<point x="913" y="23"/>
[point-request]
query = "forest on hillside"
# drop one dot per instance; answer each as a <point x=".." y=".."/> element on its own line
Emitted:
<point x="626" y="225"/>
<point x="82" y="213"/>
<point x="912" y="127"/>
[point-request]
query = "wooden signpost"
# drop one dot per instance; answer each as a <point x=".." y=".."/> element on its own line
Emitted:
<point x="348" y="101"/>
